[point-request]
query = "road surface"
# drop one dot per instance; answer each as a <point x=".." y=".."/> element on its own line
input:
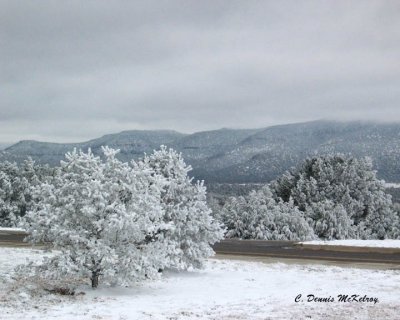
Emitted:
<point x="12" y="238"/>
<point x="261" y="248"/>
<point x="289" y="249"/>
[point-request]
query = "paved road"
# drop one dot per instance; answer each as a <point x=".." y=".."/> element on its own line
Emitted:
<point x="260" y="248"/>
<point x="12" y="238"/>
<point x="288" y="249"/>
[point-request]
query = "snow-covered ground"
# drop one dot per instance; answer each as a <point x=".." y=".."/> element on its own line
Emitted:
<point x="357" y="243"/>
<point x="225" y="289"/>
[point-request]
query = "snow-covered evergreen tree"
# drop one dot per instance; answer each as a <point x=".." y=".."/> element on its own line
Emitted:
<point x="260" y="216"/>
<point x="121" y="222"/>
<point x="16" y="183"/>
<point x="330" y="221"/>
<point x="236" y="218"/>
<point x="193" y="229"/>
<point x="396" y="229"/>
<point x="8" y="206"/>
<point x="349" y="185"/>
<point x="103" y="216"/>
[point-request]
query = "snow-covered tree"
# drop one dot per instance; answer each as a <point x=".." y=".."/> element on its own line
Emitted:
<point x="260" y="216"/>
<point x="236" y="218"/>
<point x="330" y="221"/>
<point x="350" y="186"/>
<point x="104" y="216"/>
<point x="193" y="229"/>
<point x="121" y="222"/>
<point x="16" y="183"/>
<point x="396" y="229"/>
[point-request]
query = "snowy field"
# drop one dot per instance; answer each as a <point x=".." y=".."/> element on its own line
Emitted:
<point x="225" y="289"/>
<point x="357" y="243"/>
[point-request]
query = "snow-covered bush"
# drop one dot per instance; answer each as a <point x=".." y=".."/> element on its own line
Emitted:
<point x="260" y="216"/>
<point x="330" y="221"/>
<point x="185" y="208"/>
<point x="341" y="196"/>
<point x="33" y="280"/>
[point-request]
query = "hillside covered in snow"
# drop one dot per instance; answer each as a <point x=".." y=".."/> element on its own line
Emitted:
<point x="241" y="155"/>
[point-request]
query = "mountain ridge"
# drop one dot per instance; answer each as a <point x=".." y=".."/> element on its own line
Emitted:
<point x="242" y="155"/>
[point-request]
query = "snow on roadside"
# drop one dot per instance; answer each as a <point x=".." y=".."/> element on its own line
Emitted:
<point x="5" y="229"/>
<point x="225" y="289"/>
<point x="387" y="243"/>
<point x="392" y="185"/>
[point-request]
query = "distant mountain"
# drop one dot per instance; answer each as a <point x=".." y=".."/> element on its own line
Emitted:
<point x="4" y="145"/>
<point x="268" y="153"/>
<point x="131" y="143"/>
<point x="244" y="156"/>
<point x="199" y="149"/>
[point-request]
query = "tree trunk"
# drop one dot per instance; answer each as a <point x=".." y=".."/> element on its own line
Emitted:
<point x="95" y="279"/>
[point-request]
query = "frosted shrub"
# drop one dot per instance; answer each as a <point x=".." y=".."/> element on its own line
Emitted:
<point x="260" y="216"/>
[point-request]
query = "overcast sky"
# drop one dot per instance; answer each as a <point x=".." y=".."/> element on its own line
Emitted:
<point x="74" y="70"/>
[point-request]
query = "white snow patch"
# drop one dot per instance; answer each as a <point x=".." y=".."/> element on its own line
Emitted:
<point x="4" y="229"/>
<point x="225" y="289"/>
<point x="387" y="243"/>
<point x="392" y="185"/>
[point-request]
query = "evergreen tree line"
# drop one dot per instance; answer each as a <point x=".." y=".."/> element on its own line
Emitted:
<point x="327" y="197"/>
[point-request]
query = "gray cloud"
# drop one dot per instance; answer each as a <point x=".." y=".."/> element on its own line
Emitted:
<point x="74" y="70"/>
